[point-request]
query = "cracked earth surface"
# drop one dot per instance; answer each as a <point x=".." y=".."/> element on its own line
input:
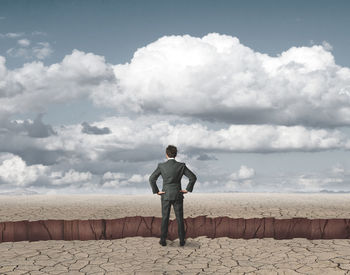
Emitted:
<point x="202" y="255"/>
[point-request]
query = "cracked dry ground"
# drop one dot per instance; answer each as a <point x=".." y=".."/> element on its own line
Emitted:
<point x="202" y="255"/>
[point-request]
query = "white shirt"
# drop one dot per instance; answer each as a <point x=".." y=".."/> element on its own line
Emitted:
<point x="171" y="158"/>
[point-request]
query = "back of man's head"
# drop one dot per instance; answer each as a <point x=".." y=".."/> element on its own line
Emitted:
<point x="171" y="151"/>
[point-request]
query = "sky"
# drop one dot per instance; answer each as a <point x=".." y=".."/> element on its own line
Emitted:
<point x="254" y="94"/>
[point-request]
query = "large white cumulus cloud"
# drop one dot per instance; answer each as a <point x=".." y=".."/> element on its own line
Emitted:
<point x="213" y="78"/>
<point x="33" y="86"/>
<point x="218" y="78"/>
<point x="15" y="171"/>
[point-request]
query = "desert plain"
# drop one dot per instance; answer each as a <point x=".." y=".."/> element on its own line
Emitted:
<point x="201" y="255"/>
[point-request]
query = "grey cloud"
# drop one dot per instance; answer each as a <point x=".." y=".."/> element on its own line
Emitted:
<point x="138" y="154"/>
<point x="145" y="138"/>
<point x="30" y="150"/>
<point x="35" y="129"/>
<point x="204" y="157"/>
<point x="32" y="155"/>
<point x="38" y="129"/>
<point x="24" y="138"/>
<point x="94" y="130"/>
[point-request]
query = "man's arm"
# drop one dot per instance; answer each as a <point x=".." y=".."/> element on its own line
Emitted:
<point x="153" y="179"/>
<point x="192" y="179"/>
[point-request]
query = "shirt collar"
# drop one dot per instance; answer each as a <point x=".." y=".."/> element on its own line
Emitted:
<point x="171" y="158"/>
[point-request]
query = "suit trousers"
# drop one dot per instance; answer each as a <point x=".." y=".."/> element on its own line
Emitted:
<point x="179" y="213"/>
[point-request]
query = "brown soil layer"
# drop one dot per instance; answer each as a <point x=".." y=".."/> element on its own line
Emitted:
<point x="100" y="229"/>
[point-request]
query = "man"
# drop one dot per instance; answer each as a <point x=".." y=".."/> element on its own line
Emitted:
<point x="172" y="194"/>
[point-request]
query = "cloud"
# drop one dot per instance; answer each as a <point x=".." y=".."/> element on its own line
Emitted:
<point x="327" y="46"/>
<point x="24" y="42"/>
<point x="39" y="33"/>
<point x="121" y="179"/>
<point x="240" y="180"/>
<point x="24" y="138"/>
<point x="70" y="177"/>
<point x="33" y="86"/>
<point x="93" y="130"/>
<point x="244" y="172"/>
<point x="36" y="128"/>
<point x="338" y="170"/>
<point x="18" y="52"/>
<point x="216" y="78"/>
<point x="257" y="103"/>
<point x="112" y="176"/>
<point x="333" y="179"/>
<point x="315" y="183"/>
<point x="40" y="51"/>
<point x="14" y="171"/>
<point x="213" y="78"/>
<point x="133" y="143"/>
<point x="143" y="139"/>
<point x="205" y="157"/>
<point x="74" y="172"/>
<point x="11" y="35"/>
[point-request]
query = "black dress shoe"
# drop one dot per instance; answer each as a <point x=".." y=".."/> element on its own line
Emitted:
<point x="182" y="243"/>
<point x="162" y="242"/>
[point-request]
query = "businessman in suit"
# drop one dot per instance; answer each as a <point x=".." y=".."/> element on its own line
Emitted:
<point x="172" y="194"/>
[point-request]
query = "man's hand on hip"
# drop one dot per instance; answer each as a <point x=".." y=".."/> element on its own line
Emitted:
<point x="184" y="191"/>
<point x="160" y="192"/>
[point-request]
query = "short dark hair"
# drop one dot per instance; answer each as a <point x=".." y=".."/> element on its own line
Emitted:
<point x="171" y="151"/>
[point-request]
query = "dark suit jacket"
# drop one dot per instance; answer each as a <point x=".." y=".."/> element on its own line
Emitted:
<point x="172" y="172"/>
